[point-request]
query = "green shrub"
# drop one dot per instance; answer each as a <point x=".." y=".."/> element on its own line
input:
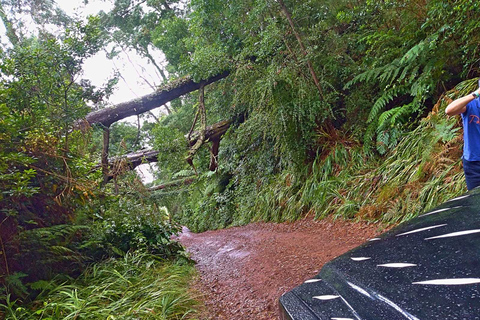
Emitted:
<point x="136" y="286"/>
<point x="131" y="222"/>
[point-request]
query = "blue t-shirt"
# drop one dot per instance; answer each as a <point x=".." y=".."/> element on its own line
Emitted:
<point x="471" y="131"/>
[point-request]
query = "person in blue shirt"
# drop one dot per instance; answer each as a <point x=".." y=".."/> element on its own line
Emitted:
<point x="469" y="108"/>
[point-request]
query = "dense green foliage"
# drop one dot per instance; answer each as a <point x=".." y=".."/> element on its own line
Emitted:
<point x="302" y="148"/>
<point x="137" y="286"/>
<point x="336" y="108"/>
<point x="43" y="163"/>
<point x="56" y="219"/>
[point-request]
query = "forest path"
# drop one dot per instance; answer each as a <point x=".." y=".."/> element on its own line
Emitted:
<point x="244" y="270"/>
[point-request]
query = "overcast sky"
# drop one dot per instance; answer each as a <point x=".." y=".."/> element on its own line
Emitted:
<point x="135" y="70"/>
<point x="132" y="68"/>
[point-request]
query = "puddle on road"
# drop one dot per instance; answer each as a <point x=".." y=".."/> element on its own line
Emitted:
<point x="225" y="249"/>
<point x="186" y="233"/>
<point x="233" y="252"/>
<point x="239" y="254"/>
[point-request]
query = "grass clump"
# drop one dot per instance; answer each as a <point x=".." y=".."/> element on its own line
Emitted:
<point x="137" y="286"/>
<point x="349" y="181"/>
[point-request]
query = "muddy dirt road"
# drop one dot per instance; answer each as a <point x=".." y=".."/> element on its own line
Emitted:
<point x="244" y="270"/>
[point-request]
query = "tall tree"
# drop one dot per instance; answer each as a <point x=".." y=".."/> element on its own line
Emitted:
<point x="43" y="171"/>
<point x="23" y="17"/>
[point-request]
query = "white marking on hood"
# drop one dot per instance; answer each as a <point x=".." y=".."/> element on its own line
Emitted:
<point x="360" y="258"/>
<point x="397" y="265"/>
<point x="436" y="211"/>
<point x="458" y="198"/>
<point x="450" y="282"/>
<point x="326" y="297"/>
<point x="455" y="234"/>
<point x="421" y="229"/>
<point x="312" y="280"/>
<point x="439" y="210"/>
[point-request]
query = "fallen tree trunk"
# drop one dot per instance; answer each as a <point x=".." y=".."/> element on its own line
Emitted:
<point x="135" y="159"/>
<point x="176" y="183"/>
<point x="105" y="117"/>
<point x="212" y="133"/>
<point x="130" y="161"/>
<point x="120" y="165"/>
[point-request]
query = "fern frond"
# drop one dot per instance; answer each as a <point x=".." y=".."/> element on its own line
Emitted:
<point x="393" y="75"/>
<point x="401" y="111"/>
<point x="413" y="74"/>
<point x="422" y="86"/>
<point x="385" y="116"/>
<point x="65" y="253"/>
<point x="413" y="53"/>
<point x="366" y="76"/>
<point x="381" y="102"/>
<point x="382" y="142"/>
<point x="369" y="135"/>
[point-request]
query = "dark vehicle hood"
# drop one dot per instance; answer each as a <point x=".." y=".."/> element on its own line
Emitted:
<point x="427" y="268"/>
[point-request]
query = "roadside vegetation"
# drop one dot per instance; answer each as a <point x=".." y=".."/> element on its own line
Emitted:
<point x="135" y="286"/>
<point x="317" y="108"/>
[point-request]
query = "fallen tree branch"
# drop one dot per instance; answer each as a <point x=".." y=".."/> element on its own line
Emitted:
<point x="105" y="117"/>
<point x="133" y="160"/>
<point x="176" y="183"/>
<point x="130" y="161"/>
<point x="213" y="132"/>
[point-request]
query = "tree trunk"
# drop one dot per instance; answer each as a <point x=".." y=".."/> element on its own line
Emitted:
<point x="133" y="160"/>
<point x="105" y="117"/>
<point x="182" y="182"/>
<point x="213" y="132"/>
<point x="130" y="161"/>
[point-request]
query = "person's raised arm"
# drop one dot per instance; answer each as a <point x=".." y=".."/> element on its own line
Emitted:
<point x="460" y="105"/>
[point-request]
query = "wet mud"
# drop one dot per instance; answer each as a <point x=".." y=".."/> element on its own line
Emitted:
<point x="243" y="271"/>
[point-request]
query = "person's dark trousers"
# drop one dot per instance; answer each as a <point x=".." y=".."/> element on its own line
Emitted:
<point x="472" y="173"/>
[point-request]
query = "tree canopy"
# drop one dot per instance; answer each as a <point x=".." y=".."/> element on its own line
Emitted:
<point x="276" y="109"/>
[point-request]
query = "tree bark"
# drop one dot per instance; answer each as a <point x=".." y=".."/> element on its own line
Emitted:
<point x="105" y="117"/>
<point x="133" y="160"/>
<point x="213" y="132"/>
<point x="182" y="182"/>
<point x="130" y="161"/>
<point x="214" y="154"/>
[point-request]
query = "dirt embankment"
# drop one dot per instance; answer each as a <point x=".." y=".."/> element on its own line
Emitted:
<point x="244" y="270"/>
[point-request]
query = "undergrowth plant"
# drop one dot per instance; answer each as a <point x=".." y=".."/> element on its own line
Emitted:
<point x="350" y="181"/>
<point x="422" y="171"/>
<point x="346" y="179"/>
<point x="137" y="286"/>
